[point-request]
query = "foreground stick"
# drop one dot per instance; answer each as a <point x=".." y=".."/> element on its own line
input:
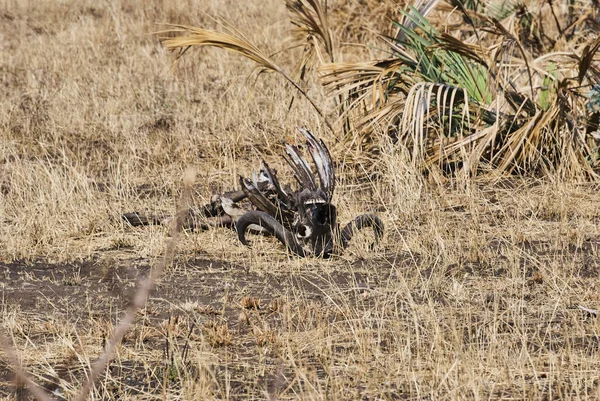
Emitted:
<point x="141" y="296"/>
<point x="20" y="374"/>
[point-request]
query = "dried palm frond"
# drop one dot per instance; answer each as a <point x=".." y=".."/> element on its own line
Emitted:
<point x="488" y="93"/>
<point x="432" y="57"/>
<point x="311" y="19"/>
<point x="366" y="86"/>
<point x="312" y="27"/>
<point x="417" y="120"/>
<point x="491" y="98"/>
<point x="187" y="36"/>
<point x="372" y="82"/>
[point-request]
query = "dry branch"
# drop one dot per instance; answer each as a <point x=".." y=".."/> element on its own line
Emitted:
<point x="20" y="373"/>
<point x="146" y="285"/>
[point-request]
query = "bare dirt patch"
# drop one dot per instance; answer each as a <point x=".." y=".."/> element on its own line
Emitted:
<point x="351" y="328"/>
<point x="237" y="312"/>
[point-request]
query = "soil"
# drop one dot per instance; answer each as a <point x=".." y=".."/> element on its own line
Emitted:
<point x="239" y="311"/>
<point x="100" y="290"/>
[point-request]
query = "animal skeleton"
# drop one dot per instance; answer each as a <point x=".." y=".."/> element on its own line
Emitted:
<point x="305" y="220"/>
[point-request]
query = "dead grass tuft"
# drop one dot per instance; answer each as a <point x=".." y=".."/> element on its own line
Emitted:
<point x="217" y="335"/>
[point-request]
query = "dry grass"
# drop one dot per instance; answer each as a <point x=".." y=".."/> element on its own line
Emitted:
<point x="471" y="295"/>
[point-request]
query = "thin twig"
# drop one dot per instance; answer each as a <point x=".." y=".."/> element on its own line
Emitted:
<point x="20" y="373"/>
<point x="145" y="286"/>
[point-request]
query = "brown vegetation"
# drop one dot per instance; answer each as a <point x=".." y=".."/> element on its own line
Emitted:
<point x="472" y="294"/>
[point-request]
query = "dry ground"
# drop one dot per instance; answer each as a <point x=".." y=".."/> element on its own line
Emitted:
<point x="471" y="295"/>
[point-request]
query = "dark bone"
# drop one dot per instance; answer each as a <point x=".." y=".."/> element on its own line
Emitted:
<point x="314" y="230"/>
<point x="274" y="228"/>
<point x="194" y="219"/>
<point x="360" y="222"/>
<point x="304" y="220"/>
